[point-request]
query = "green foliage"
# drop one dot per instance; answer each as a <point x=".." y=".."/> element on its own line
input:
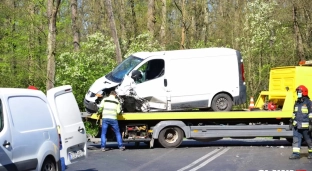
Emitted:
<point x="143" y="42"/>
<point x="258" y="43"/>
<point x="259" y="27"/>
<point x="91" y="128"/>
<point x="202" y="44"/>
<point x="95" y="59"/>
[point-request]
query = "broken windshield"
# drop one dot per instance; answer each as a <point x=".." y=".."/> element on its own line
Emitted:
<point x="123" y="68"/>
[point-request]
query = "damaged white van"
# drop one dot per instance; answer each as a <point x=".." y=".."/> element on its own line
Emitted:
<point x="174" y="80"/>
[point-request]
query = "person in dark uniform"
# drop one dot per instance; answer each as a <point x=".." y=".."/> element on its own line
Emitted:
<point x="302" y="122"/>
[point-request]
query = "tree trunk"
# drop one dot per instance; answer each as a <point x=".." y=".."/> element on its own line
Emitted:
<point x="75" y="30"/>
<point x="183" y="31"/>
<point x="205" y="33"/>
<point x="12" y="21"/>
<point x="183" y="23"/>
<point x="194" y="16"/>
<point x="52" y="9"/>
<point x="110" y="14"/>
<point x="308" y="19"/>
<point x="31" y="46"/>
<point x="163" y="24"/>
<point x="298" y="37"/>
<point x="134" y="21"/>
<point x="123" y="20"/>
<point x="151" y="17"/>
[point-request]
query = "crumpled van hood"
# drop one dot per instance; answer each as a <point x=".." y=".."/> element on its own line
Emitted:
<point x="102" y="83"/>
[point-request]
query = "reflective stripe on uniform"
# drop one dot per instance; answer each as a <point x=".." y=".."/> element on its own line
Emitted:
<point x="310" y="150"/>
<point x="296" y="109"/>
<point x="109" y="116"/>
<point x="111" y="101"/>
<point x="295" y="122"/>
<point x="293" y="116"/>
<point x="111" y="109"/>
<point x="304" y="110"/>
<point x="310" y="115"/>
<point x="305" y="124"/>
<point x="296" y="150"/>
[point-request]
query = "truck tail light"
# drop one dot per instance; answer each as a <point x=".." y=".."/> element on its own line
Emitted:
<point x="243" y="72"/>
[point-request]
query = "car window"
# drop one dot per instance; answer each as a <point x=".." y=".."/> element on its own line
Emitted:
<point x="123" y="68"/>
<point x="151" y="70"/>
<point x="1" y="117"/>
<point x="30" y="113"/>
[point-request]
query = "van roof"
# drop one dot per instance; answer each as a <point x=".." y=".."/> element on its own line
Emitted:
<point x="176" y="53"/>
<point x="20" y="91"/>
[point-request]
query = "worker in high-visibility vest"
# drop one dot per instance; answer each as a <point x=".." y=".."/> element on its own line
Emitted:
<point x="302" y="122"/>
<point x="109" y="108"/>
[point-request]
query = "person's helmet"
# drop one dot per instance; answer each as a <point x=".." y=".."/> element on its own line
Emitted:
<point x="302" y="89"/>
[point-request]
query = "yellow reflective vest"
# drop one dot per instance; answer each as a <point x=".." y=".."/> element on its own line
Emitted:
<point x="111" y="107"/>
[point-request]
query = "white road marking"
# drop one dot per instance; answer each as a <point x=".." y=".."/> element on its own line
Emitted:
<point x="141" y="167"/>
<point x="210" y="159"/>
<point x="198" y="160"/>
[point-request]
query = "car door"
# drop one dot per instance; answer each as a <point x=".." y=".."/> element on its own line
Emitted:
<point x="71" y="127"/>
<point x="152" y="85"/>
<point x="6" y="162"/>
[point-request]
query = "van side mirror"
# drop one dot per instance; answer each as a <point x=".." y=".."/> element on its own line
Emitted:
<point x="136" y="75"/>
<point x="165" y="82"/>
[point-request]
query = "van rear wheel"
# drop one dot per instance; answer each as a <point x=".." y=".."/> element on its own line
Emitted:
<point x="222" y="102"/>
<point x="48" y="165"/>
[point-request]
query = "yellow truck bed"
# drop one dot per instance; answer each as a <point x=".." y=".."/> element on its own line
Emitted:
<point x="286" y="112"/>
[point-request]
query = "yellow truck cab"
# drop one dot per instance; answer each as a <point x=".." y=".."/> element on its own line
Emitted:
<point x="283" y="79"/>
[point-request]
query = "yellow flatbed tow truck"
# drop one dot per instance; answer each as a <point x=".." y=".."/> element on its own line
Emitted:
<point x="169" y="128"/>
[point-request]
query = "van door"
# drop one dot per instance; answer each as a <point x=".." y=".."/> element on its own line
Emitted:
<point x="152" y="85"/>
<point x="6" y="162"/>
<point x="68" y="118"/>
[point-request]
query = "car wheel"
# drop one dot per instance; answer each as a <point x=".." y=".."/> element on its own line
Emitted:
<point x="48" y="165"/>
<point x="222" y="102"/>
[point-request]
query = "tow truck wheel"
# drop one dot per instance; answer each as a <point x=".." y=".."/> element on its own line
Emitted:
<point x="222" y="102"/>
<point x="170" y="137"/>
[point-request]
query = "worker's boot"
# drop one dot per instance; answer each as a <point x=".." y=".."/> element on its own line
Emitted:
<point x="104" y="149"/>
<point x="294" y="156"/>
<point x="310" y="156"/>
<point x="123" y="148"/>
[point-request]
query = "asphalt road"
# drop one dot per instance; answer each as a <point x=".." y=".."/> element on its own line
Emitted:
<point x="221" y="155"/>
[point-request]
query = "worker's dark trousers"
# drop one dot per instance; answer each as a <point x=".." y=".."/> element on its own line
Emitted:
<point x="297" y="139"/>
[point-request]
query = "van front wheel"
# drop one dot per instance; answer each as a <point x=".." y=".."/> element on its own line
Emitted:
<point x="222" y="102"/>
<point x="48" y="165"/>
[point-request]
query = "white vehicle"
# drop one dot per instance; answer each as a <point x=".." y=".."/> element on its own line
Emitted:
<point x="37" y="131"/>
<point x="174" y="80"/>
